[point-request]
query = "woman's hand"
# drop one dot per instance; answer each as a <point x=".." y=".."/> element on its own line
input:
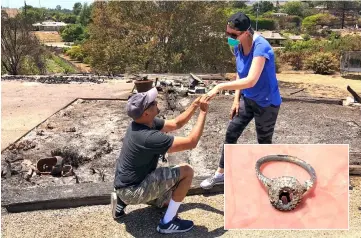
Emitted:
<point x="211" y="94"/>
<point x="234" y="109"/>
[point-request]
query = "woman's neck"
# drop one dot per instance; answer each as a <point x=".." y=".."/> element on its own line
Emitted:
<point x="246" y="46"/>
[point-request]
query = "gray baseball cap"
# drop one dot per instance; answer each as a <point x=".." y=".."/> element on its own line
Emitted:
<point x="139" y="102"/>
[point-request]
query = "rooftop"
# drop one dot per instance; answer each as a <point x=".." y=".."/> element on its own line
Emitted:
<point x="50" y="23"/>
<point x="271" y="35"/>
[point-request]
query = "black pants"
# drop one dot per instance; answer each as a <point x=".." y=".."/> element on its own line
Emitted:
<point x="265" y="118"/>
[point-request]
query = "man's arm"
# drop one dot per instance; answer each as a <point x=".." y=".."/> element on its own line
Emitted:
<point x="191" y="141"/>
<point x="182" y="119"/>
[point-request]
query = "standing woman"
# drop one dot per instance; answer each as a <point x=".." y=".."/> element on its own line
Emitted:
<point x="257" y="94"/>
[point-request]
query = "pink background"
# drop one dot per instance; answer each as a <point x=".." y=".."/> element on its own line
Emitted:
<point x="247" y="205"/>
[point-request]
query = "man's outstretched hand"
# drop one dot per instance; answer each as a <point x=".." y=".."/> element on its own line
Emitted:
<point x="204" y="102"/>
<point x="197" y="101"/>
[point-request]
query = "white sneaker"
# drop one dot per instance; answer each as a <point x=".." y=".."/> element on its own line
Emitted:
<point x="211" y="181"/>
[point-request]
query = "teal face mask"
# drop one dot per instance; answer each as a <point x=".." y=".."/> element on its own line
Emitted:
<point x="233" y="42"/>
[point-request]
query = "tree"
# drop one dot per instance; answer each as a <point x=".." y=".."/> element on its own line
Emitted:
<point x="310" y="23"/>
<point x="17" y="42"/>
<point x="68" y="18"/>
<point x="77" y="8"/>
<point x="239" y="4"/>
<point x="264" y="6"/>
<point x="344" y="10"/>
<point x="158" y="37"/>
<point x="58" y="8"/>
<point x="294" y="8"/>
<point x="33" y="14"/>
<point x="85" y="14"/>
<point x="72" y="32"/>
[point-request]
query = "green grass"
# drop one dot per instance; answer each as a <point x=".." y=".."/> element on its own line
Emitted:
<point x="55" y="64"/>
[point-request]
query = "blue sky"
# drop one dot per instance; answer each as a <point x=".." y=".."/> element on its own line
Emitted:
<point x="43" y="3"/>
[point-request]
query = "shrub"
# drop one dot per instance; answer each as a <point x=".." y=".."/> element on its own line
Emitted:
<point x="267" y="14"/>
<point x="309" y="23"/>
<point x="295" y="59"/>
<point x="263" y="23"/>
<point x="289" y="23"/>
<point x="28" y="66"/>
<point x="306" y="37"/>
<point x="304" y="46"/>
<point x="87" y="60"/>
<point x="334" y="35"/>
<point x="76" y="52"/>
<point x="322" y="63"/>
<point x="278" y="64"/>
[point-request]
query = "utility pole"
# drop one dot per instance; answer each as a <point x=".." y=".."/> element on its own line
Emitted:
<point x="257" y="16"/>
<point x="25" y="8"/>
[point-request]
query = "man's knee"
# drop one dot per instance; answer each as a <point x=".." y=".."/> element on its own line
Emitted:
<point x="186" y="170"/>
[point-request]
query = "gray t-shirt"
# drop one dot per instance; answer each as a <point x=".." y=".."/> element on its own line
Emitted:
<point x="140" y="153"/>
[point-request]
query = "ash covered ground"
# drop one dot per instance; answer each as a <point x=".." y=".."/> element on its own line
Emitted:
<point x="88" y="134"/>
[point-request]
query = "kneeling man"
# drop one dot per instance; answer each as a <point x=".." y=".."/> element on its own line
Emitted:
<point x="137" y="178"/>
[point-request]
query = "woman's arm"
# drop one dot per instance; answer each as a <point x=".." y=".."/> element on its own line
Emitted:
<point x="237" y="92"/>
<point x="248" y="82"/>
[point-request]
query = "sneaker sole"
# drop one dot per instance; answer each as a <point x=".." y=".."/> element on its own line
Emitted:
<point x="113" y="202"/>
<point x="165" y="231"/>
<point x="211" y="186"/>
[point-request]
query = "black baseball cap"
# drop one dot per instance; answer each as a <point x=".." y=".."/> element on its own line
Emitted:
<point x="239" y="21"/>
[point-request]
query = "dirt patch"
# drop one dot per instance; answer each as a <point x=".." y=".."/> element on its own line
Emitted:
<point x="331" y="86"/>
<point x="313" y="90"/>
<point x="48" y="36"/>
<point x="88" y="134"/>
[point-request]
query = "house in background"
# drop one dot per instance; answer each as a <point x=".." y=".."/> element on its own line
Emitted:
<point x="48" y="26"/>
<point x="274" y="38"/>
<point x="295" y="38"/>
<point x="279" y="14"/>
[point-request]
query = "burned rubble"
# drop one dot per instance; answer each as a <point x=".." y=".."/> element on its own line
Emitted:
<point x="87" y="135"/>
<point x="56" y="79"/>
<point x="191" y="85"/>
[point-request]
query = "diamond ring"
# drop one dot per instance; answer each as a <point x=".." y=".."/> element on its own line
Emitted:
<point x="285" y="192"/>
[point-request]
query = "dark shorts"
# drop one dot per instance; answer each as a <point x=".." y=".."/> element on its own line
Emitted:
<point x="156" y="189"/>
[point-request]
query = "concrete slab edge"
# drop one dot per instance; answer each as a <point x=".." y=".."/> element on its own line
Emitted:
<point x="313" y="100"/>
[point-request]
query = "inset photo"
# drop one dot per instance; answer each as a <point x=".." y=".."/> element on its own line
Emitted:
<point x="298" y="186"/>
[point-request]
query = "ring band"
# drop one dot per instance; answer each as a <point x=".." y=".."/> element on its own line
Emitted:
<point x="285" y="192"/>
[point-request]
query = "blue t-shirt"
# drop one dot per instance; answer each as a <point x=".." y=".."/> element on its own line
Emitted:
<point x="266" y="91"/>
